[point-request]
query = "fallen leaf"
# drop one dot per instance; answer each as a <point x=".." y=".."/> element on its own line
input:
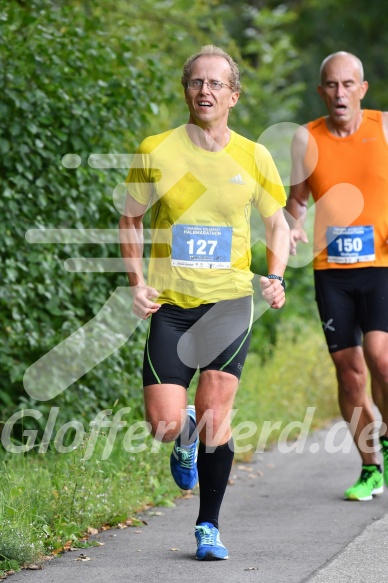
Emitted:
<point x="83" y="558"/>
<point x="187" y="495"/>
<point x="92" y="530"/>
<point x="57" y="551"/>
<point x="133" y="521"/>
<point x="33" y="567"/>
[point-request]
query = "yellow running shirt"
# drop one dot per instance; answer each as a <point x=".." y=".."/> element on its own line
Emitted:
<point x="349" y="184"/>
<point x="200" y="213"/>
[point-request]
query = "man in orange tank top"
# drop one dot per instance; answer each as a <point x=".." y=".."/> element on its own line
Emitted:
<point x="342" y="160"/>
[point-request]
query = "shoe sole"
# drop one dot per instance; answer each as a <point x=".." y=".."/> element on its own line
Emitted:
<point x="211" y="557"/>
<point x="375" y="492"/>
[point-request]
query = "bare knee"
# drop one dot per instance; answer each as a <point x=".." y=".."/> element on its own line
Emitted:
<point x="376" y="355"/>
<point x="214" y="425"/>
<point x="352" y="380"/>
<point x="213" y="403"/>
<point x="379" y="370"/>
<point x="353" y="389"/>
<point x="165" y="410"/>
<point x="162" y="429"/>
<point x="351" y="376"/>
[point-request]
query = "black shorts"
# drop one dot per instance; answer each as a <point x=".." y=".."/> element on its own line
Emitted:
<point x="209" y="337"/>
<point x="351" y="302"/>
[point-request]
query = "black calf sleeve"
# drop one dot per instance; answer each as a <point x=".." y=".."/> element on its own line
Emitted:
<point x="213" y="473"/>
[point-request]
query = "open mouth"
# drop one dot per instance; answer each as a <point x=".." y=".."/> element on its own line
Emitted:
<point x="205" y="104"/>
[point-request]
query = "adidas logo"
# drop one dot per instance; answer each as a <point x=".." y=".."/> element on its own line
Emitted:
<point x="237" y="179"/>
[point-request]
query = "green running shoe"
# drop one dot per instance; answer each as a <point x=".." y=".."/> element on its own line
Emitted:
<point x="369" y="484"/>
<point x="384" y="452"/>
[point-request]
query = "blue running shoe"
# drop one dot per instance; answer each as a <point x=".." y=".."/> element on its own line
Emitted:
<point x="183" y="460"/>
<point x="209" y="545"/>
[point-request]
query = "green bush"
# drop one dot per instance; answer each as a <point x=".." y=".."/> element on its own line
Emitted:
<point x="66" y="87"/>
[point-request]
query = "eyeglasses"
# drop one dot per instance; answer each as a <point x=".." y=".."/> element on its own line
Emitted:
<point x="196" y="84"/>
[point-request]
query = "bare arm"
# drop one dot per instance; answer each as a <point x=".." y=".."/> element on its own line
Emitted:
<point x="296" y="207"/>
<point x="385" y="124"/>
<point x="277" y="240"/>
<point x="131" y="247"/>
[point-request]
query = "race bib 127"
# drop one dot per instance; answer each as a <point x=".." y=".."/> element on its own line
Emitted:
<point x="201" y="246"/>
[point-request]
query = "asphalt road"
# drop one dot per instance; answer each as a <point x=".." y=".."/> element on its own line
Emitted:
<point x="283" y="521"/>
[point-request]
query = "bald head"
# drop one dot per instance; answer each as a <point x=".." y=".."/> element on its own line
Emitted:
<point x="341" y="56"/>
<point x="342" y="89"/>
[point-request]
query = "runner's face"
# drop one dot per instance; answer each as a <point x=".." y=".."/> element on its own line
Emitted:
<point x="342" y="89"/>
<point x="210" y="107"/>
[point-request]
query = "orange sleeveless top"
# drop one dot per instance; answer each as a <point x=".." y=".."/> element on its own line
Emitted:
<point x="349" y="184"/>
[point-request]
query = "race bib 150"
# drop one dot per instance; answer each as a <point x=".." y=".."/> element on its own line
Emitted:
<point x="350" y="244"/>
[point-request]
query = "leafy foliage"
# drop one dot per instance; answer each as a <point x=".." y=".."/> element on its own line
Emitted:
<point x="269" y="61"/>
<point x="355" y="26"/>
<point x="65" y="89"/>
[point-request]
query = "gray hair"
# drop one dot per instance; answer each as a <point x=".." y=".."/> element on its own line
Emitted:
<point x="341" y="54"/>
<point x="211" y="50"/>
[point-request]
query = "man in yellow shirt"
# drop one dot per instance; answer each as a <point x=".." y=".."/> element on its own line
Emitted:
<point x="200" y="182"/>
<point x="342" y="160"/>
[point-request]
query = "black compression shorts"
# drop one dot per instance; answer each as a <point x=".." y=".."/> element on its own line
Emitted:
<point x="351" y="302"/>
<point x="209" y="337"/>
